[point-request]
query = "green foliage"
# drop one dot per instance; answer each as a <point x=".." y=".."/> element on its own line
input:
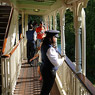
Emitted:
<point x="35" y="18"/>
<point x="90" y="29"/>
<point x="69" y="35"/>
<point x="58" y="25"/>
<point x="58" y="21"/>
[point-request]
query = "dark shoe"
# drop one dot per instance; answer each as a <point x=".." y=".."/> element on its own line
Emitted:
<point x="40" y="79"/>
<point x="32" y="63"/>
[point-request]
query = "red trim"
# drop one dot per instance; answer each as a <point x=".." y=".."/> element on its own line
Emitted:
<point x="7" y="31"/>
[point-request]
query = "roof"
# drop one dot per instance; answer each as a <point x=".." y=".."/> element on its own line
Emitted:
<point x="42" y="7"/>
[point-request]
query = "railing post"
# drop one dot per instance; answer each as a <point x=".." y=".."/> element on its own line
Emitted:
<point x="78" y="51"/>
<point x="77" y="24"/>
<point x="54" y="21"/>
<point x="83" y="42"/>
<point x="46" y="22"/>
<point x="23" y="33"/>
<point x="25" y="40"/>
<point x="62" y="27"/>
<point x="50" y="20"/>
<point x="5" y="76"/>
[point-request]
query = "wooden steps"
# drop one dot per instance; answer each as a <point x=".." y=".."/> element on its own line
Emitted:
<point x="4" y="16"/>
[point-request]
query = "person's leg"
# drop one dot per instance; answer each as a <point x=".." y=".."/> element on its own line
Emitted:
<point x="32" y="51"/>
<point x="38" y="69"/>
<point x="48" y="81"/>
<point x="38" y="42"/>
<point x="28" y="51"/>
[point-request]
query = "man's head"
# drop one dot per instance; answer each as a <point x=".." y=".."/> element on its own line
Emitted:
<point x="41" y="23"/>
<point x="30" y="26"/>
<point x="52" y="35"/>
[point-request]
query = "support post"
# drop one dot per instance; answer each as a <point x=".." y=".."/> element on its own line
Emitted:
<point x="25" y="39"/>
<point x="78" y="51"/>
<point x="54" y="21"/>
<point x="62" y="27"/>
<point x="50" y="20"/>
<point x="23" y="24"/>
<point x="22" y="34"/>
<point x="77" y="24"/>
<point x="83" y="42"/>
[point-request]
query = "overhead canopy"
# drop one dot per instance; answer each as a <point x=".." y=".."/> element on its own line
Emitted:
<point x="42" y="7"/>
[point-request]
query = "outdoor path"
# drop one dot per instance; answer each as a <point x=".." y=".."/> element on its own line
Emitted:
<point x="28" y="81"/>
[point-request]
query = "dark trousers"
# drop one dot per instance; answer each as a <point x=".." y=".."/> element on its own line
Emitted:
<point x="48" y="81"/>
<point x="30" y="49"/>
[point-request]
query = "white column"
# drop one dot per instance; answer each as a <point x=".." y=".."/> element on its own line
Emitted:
<point x="26" y="24"/>
<point x="23" y="24"/>
<point x="83" y="42"/>
<point x="46" y="22"/>
<point x="77" y="39"/>
<point x="62" y="27"/>
<point x="78" y="51"/>
<point x="50" y="20"/>
<point x="22" y="35"/>
<point x="54" y="21"/>
<point x="77" y="54"/>
<point x="25" y="39"/>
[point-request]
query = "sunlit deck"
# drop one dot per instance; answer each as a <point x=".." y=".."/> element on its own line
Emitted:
<point x="17" y="76"/>
<point x="28" y="82"/>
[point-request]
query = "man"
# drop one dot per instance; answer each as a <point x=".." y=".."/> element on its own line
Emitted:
<point x="40" y="33"/>
<point x="31" y="37"/>
<point x="50" y="61"/>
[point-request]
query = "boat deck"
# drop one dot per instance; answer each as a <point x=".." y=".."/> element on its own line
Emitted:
<point x="28" y="81"/>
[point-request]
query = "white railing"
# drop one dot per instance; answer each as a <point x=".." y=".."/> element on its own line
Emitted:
<point x="11" y="65"/>
<point x="70" y="83"/>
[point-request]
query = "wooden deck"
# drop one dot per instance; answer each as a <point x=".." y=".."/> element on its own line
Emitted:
<point x="28" y="82"/>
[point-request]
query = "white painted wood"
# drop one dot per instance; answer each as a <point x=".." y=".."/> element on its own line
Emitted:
<point x="83" y="42"/>
<point x="25" y="39"/>
<point x="62" y="28"/>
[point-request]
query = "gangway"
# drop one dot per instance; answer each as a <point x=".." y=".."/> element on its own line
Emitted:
<point x="71" y="77"/>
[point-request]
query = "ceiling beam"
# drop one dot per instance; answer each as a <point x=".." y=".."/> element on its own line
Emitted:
<point x="72" y="1"/>
<point x="31" y="6"/>
<point x="33" y="13"/>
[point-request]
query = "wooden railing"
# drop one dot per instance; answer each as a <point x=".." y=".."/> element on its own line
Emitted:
<point x="71" y="83"/>
<point x="7" y="30"/>
<point x="11" y="65"/>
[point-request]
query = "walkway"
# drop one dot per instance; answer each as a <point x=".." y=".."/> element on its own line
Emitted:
<point x="28" y="83"/>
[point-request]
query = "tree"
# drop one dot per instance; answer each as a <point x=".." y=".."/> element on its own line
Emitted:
<point x="69" y="35"/>
<point x="90" y="29"/>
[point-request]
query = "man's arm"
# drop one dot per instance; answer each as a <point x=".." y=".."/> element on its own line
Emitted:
<point x="35" y="56"/>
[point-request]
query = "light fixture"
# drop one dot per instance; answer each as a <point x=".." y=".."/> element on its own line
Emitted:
<point x="39" y="0"/>
<point x="36" y="10"/>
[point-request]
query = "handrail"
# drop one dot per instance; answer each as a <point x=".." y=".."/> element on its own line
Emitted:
<point x="12" y="51"/>
<point x="7" y="30"/>
<point x="83" y="79"/>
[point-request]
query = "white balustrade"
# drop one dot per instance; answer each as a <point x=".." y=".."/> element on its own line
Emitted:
<point x="10" y="70"/>
<point x="68" y="83"/>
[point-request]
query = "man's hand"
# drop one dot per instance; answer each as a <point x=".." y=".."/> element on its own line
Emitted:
<point x="63" y="56"/>
<point x="31" y="59"/>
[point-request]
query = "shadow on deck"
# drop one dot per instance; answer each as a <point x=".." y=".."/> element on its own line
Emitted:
<point x="28" y="81"/>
